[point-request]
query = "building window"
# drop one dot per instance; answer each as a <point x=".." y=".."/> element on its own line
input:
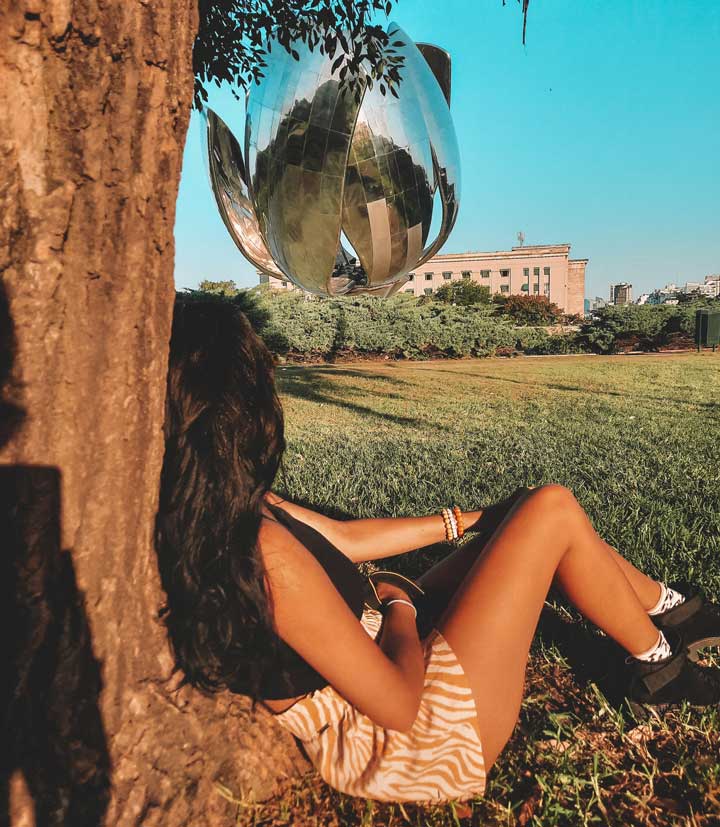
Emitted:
<point x="547" y="290"/>
<point x="505" y="274"/>
<point x="428" y="291"/>
<point x="447" y="275"/>
<point x="536" y="271"/>
<point x="525" y="288"/>
<point x="411" y="292"/>
<point x="504" y="288"/>
<point x="411" y="277"/>
<point x="466" y="274"/>
<point x="284" y="284"/>
<point x="428" y="276"/>
<point x="546" y="271"/>
<point x="264" y="278"/>
<point x="485" y="274"/>
<point x="536" y="288"/>
<point x="526" y="272"/>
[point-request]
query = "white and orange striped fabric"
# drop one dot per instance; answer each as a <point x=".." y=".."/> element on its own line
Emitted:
<point x="440" y="759"/>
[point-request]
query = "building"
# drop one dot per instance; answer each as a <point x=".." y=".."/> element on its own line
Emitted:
<point x="712" y="285"/>
<point x="542" y="270"/>
<point x="664" y="295"/>
<point x="621" y="293"/>
<point x="671" y="293"/>
<point x="597" y="304"/>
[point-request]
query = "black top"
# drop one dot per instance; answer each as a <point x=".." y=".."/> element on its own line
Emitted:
<point x="293" y="675"/>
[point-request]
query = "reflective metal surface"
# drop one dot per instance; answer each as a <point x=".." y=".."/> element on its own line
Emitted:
<point x="440" y="65"/>
<point x="319" y="163"/>
<point x="229" y="184"/>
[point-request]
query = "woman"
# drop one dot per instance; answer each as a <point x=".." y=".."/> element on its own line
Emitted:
<point x="264" y="597"/>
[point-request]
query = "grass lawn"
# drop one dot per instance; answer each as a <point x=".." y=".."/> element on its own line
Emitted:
<point x="636" y="439"/>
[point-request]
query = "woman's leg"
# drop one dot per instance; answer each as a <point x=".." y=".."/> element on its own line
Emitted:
<point x="492" y="617"/>
<point x="442" y="580"/>
<point x="647" y="589"/>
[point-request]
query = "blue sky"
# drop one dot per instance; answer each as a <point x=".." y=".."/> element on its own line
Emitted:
<point x="603" y="131"/>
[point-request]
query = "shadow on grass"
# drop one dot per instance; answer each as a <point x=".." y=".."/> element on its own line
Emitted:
<point x="554" y="386"/>
<point x="592" y="657"/>
<point x="332" y="370"/>
<point x="313" y="385"/>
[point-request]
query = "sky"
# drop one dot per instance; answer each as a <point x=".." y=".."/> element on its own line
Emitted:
<point x="603" y="131"/>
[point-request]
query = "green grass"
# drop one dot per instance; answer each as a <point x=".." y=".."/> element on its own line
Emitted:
<point x="636" y="439"/>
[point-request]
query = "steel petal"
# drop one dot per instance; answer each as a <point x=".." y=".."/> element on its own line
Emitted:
<point x="297" y="144"/>
<point x="228" y="181"/>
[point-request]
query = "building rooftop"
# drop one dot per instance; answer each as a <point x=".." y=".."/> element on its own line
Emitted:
<point x="519" y="252"/>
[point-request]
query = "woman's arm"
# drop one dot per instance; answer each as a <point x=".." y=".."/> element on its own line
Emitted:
<point x="372" y="539"/>
<point x="383" y="681"/>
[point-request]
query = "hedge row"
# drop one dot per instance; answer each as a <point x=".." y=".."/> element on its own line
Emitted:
<point x="395" y="327"/>
<point x="300" y="326"/>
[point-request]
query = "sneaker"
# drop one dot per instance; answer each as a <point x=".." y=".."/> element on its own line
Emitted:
<point x="697" y="620"/>
<point x="671" y="681"/>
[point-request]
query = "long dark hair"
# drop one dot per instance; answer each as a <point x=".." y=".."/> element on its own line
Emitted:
<point x="223" y="445"/>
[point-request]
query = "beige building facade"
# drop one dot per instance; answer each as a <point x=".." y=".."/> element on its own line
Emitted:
<point x="542" y="270"/>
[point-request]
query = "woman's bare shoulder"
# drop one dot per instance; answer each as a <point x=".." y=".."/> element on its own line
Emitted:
<point x="283" y="556"/>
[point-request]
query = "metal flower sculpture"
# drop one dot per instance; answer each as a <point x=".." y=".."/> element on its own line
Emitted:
<point x="317" y="163"/>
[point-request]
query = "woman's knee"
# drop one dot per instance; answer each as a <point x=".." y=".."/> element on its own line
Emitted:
<point x="556" y="509"/>
<point x="554" y="497"/>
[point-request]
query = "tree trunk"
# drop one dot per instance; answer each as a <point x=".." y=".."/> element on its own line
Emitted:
<point x="96" y="102"/>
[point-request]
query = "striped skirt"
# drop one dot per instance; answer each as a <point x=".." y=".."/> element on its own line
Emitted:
<point x="439" y="759"/>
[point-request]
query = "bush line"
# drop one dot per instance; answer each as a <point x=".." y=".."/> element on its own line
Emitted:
<point x="297" y="326"/>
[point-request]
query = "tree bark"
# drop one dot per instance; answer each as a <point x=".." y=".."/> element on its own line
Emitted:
<point x="96" y="102"/>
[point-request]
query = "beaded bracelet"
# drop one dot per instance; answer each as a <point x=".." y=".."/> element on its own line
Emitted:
<point x="454" y="525"/>
<point x="445" y="514"/>
<point x="459" y="519"/>
<point x="404" y="602"/>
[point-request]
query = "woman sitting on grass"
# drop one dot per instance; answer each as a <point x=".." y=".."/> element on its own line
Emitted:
<point x="264" y="596"/>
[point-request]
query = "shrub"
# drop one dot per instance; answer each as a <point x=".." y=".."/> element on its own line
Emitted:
<point x="219" y="288"/>
<point x="557" y="345"/>
<point x="538" y="310"/>
<point x="463" y="293"/>
<point x="613" y="329"/>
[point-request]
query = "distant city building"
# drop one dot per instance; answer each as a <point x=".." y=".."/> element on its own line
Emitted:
<point x="664" y="295"/>
<point x="621" y="293"/>
<point x="597" y="304"/>
<point x="670" y="294"/>
<point x="712" y="285"/>
<point x="709" y="287"/>
<point x="541" y="270"/>
<point x="586" y="306"/>
<point x="642" y="299"/>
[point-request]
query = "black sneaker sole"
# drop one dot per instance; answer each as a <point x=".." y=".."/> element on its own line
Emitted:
<point x="694" y="647"/>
